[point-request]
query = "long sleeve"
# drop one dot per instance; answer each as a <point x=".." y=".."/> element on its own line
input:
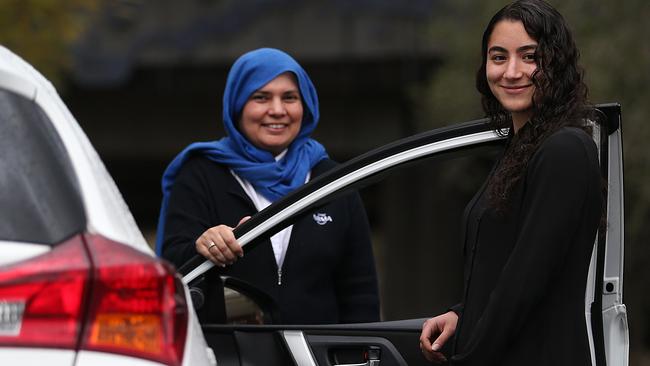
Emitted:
<point x="559" y="215"/>
<point x="194" y="206"/>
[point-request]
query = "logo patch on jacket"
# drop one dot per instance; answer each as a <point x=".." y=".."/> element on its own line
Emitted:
<point x="322" y="218"/>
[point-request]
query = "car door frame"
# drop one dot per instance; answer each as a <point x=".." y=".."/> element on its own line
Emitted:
<point x="308" y="345"/>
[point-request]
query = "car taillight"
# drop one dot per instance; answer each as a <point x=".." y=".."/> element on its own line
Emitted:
<point x="137" y="305"/>
<point x="95" y="294"/>
<point x="42" y="299"/>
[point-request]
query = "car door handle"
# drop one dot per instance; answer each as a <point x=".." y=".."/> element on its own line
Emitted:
<point x="371" y="355"/>
<point x="369" y="363"/>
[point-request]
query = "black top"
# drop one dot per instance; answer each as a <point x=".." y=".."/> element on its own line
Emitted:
<point x="526" y="269"/>
<point x="328" y="274"/>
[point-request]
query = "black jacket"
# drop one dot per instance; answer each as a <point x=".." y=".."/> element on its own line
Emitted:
<point x="526" y="269"/>
<point x="328" y="273"/>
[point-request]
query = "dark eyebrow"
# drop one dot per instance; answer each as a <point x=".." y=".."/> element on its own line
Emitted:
<point x="525" y="48"/>
<point x="528" y="47"/>
<point x="268" y="92"/>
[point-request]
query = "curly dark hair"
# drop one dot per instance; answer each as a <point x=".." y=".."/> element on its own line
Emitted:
<point x="560" y="97"/>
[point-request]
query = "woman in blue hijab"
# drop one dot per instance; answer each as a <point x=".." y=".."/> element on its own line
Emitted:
<point x="319" y="270"/>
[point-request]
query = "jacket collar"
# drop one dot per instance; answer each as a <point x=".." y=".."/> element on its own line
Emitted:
<point x="234" y="188"/>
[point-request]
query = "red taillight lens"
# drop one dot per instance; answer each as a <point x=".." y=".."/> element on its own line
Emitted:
<point x="137" y="305"/>
<point x="42" y="299"/>
<point x="125" y="301"/>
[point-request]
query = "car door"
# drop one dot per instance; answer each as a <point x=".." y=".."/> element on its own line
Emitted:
<point x="395" y="341"/>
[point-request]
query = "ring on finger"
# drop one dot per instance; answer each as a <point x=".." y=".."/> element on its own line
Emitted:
<point x="211" y="245"/>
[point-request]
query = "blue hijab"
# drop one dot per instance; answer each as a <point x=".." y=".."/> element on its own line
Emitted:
<point x="273" y="179"/>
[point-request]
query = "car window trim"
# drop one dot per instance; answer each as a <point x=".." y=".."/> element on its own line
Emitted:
<point x="350" y="178"/>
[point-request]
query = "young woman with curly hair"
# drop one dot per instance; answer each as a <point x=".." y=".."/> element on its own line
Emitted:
<point x="529" y="231"/>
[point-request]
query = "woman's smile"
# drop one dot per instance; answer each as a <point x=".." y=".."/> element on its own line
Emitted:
<point x="274" y="126"/>
<point x="516" y="89"/>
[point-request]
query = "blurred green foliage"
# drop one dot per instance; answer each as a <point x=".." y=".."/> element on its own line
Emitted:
<point x="41" y="31"/>
<point x="614" y="40"/>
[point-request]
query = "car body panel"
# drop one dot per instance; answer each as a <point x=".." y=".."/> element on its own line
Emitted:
<point x="13" y="75"/>
<point x="36" y="356"/>
<point x="90" y="358"/>
<point x="20" y="251"/>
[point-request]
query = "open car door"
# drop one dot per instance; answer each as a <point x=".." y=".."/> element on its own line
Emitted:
<point x="395" y="341"/>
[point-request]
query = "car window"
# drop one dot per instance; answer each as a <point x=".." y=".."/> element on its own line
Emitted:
<point x="39" y="197"/>
<point x="415" y="216"/>
<point x="415" y="213"/>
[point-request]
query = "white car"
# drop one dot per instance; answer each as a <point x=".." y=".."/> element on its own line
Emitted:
<point x="79" y="285"/>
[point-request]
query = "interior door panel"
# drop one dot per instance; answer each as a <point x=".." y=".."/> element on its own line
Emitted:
<point x="396" y="343"/>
